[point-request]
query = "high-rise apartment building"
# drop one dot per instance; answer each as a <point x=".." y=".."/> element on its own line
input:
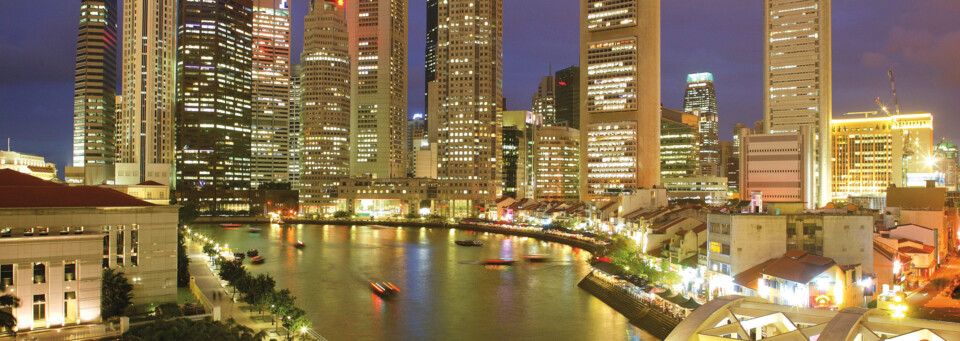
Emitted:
<point x="377" y="32"/>
<point x="679" y="144"/>
<point x="947" y="157"/>
<point x="295" y="108"/>
<point x="557" y="164"/>
<point x="95" y="88"/>
<point x="270" y="126"/>
<point x="469" y="97"/>
<point x="871" y="153"/>
<point x="145" y="132"/>
<point x="567" y="101"/>
<point x="732" y="171"/>
<point x="544" y="100"/>
<point x="325" y="117"/>
<point x="700" y="99"/>
<point x="214" y="105"/>
<point x="620" y="96"/>
<point x="730" y="165"/>
<point x="430" y="60"/>
<point x="797" y="77"/>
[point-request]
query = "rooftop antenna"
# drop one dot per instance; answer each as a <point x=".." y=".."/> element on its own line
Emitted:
<point x="8" y="144"/>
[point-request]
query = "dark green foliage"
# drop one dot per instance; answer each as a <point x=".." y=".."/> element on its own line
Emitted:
<point x="342" y="214"/>
<point x="183" y="262"/>
<point x="115" y="293"/>
<point x="7" y="320"/>
<point x="169" y="310"/>
<point x="187" y="330"/>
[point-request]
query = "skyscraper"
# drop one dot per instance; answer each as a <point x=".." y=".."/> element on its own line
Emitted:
<point x="214" y="93"/>
<point x="416" y="138"/>
<point x="517" y="142"/>
<point x="679" y="144"/>
<point x="145" y="139"/>
<point x="797" y="76"/>
<point x="470" y="91"/>
<point x="557" y="164"/>
<point x="567" y="101"/>
<point x="544" y="100"/>
<point x="700" y="99"/>
<point x="95" y="88"/>
<point x="270" y="145"/>
<point x="377" y="32"/>
<point x="620" y="96"/>
<point x="325" y="118"/>
<point x="296" y="109"/>
<point x="430" y="67"/>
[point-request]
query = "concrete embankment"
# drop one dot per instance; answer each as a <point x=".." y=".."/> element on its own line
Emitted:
<point x="638" y="312"/>
<point x="582" y="244"/>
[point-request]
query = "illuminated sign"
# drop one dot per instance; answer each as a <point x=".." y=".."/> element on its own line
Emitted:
<point x="339" y="3"/>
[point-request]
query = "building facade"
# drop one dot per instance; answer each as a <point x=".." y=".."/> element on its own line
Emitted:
<point x="706" y="190"/>
<point x="519" y="129"/>
<point x="871" y="153"/>
<point x="798" y="78"/>
<point x="95" y="89"/>
<point x="377" y="32"/>
<point x="416" y="138"/>
<point x="545" y="99"/>
<point x="32" y="165"/>
<point x="700" y="99"/>
<point x="469" y="99"/>
<point x="557" y="166"/>
<point x="270" y="122"/>
<point x="325" y="117"/>
<point x="214" y="105"/>
<point x="295" y="135"/>
<point x="679" y="144"/>
<point x="778" y="166"/>
<point x="567" y="101"/>
<point x="620" y="96"/>
<point x="145" y="127"/>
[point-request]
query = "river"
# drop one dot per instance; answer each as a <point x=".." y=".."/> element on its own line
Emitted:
<point x="446" y="293"/>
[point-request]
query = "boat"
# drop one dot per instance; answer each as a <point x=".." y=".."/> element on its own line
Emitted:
<point x="230" y="226"/>
<point x="256" y="259"/>
<point x="253" y="253"/>
<point x="255" y="229"/>
<point x="299" y="245"/>
<point x="384" y="289"/>
<point x="536" y="258"/>
<point x="239" y="256"/>
<point x="499" y="261"/>
<point x="469" y="242"/>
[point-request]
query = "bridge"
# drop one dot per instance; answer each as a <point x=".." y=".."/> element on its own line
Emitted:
<point x="751" y="318"/>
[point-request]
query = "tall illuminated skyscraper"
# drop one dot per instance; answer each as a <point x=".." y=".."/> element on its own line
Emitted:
<point x="378" y="113"/>
<point x="545" y="99"/>
<point x="296" y="109"/>
<point x="620" y="96"/>
<point x="270" y="145"/>
<point x="797" y="76"/>
<point x="95" y="84"/>
<point x="430" y="60"/>
<point x="470" y="93"/>
<point x="214" y="93"/>
<point x="325" y="118"/>
<point x="700" y="99"/>
<point x="145" y="129"/>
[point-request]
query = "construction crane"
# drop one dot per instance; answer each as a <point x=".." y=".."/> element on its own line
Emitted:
<point x="893" y="86"/>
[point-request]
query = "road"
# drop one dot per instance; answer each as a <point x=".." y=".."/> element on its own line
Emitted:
<point x="920" y="301"/>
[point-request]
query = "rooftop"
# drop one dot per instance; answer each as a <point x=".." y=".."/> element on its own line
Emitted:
<point x="18" y="190"/>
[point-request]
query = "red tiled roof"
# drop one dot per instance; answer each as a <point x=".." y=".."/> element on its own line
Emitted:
<point x="682" y="232"/>
<point x="910" y="249"/>
<point x="700" y="228"/>
<point x="655" y="252"/>
<point x="798" y="266"/>
<point x="150" y="183"/>
<point x="18" y="190"/>
<point x="750" y="277"/>
<point x="668" y="225"/>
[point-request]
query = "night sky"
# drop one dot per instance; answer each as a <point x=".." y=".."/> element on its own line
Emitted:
<point x="920" y="40"/>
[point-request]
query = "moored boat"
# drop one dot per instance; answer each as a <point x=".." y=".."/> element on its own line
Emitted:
<point x="253" y="253"/>
<point x="255" y="229"/>
<point x="469" y="242"/>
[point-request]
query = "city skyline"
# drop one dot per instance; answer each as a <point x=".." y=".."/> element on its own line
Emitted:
<point x="861" y="58"/>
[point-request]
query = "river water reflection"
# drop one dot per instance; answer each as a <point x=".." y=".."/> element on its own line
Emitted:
<point x="446" y="293"/>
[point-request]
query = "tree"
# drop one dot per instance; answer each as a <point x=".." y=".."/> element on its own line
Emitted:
<point x="185" y="329"/>
<point x="183" y="262"/>
<point x="188" y="213"/>
<point x="115" y="293"/>
<point x="281" y="303"/>
<point x="260" y="291"/>
<point x="7" y="320"/>
<point x="296" y="321"/>
<point x="234" y="273"/>
<point x="412" y="215"/>
<point x="342" y="214"/>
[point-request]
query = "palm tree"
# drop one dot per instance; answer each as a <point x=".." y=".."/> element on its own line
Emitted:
<point x="115" y="294"/>
<point x="7" y="320"/>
